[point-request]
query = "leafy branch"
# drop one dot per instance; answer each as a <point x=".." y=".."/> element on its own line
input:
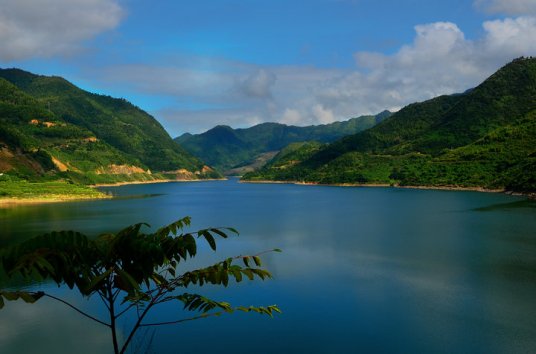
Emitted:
<point x="131" y="270"/>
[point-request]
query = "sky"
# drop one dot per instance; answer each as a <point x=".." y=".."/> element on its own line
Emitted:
<point x="197" y="64"/>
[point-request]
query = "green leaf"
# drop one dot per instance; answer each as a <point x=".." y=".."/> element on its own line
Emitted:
<point x="210" y="240"/>
<point x="275" y="308"/>
<point x="174" y="227"/>
<point x="224" y="278"/>
<point x="10" y="296"/>
<point x="92" y="286"/>
<point x="171" y="271"/>
<point x="257" y="261"/>
<point x="237" y="274"/>
<point x="248" y="273"/>
<point x="27" y="297"/>
<point x="190" y="245"/>
<point x="233" y="230"/>
<point x="45" y="265"/>
<point x="219" y="232"/>
<point x="158" y="279"/>
<point x="127" y="281"/>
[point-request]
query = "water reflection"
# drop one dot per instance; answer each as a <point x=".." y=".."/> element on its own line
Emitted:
<point x="363" y="270"/>
<point x="49" y="327"/>
<point x="520" y="204"/>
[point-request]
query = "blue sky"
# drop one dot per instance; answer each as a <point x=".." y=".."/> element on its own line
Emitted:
<point x="196" y="64"/>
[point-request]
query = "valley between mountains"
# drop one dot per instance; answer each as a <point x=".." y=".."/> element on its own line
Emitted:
<point x="56" y="140"/>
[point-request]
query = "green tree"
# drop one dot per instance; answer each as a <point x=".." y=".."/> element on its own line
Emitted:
<point x="130" y="270"/>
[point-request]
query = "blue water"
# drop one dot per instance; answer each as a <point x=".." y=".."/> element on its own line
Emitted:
<point x="364" y="270"/>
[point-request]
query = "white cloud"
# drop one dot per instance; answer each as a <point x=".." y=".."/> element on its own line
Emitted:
<point x="197" y="93"/>
<point x="323" y="115"/>
<point x="508" y="7"/>
<point x="258" y="84"/>
<point x="291" y="117"/>
<point x="516" y="36"/>
<point x="439" y="61"/>
<point x="31" y="28"/>
<point x="211" y="91"/>
<point x="179" y="121"/>
<point x="174" y="80"/>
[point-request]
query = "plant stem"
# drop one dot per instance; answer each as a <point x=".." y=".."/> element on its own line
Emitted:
<point x="76" y="309"/>
<point x="140" y="319"/>
<point x="112" y="318"/>
<point x="182" y="320"/>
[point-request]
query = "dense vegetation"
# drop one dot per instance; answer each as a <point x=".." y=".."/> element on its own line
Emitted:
<point x="226" y="148"/>
<point x="485" y="137"/>
<point x="52" y="130"/>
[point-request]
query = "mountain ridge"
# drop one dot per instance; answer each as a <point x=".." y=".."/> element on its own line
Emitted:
<point x="52" y="129"/>
<point x="461" y="140"/>
<point x="225" y="148"/>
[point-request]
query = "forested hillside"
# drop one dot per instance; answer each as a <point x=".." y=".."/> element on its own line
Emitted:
<point x="50" y="129"/>
<point x="485" y="137"/>
<point x="224" y="147"/>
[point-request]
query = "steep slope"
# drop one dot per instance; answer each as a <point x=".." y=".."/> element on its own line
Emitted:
<point x="50" y="129"/>
<point x="482" y="138"/>
<point x="220" y="147"/>
<point x="225" y="148"/>
<point x="114" y="121"/>
<point x="281" y="166"/>
<point x="32" y="138"/>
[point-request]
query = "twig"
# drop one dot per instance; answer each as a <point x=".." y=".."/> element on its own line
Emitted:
<point x="103" y="300"/>
<point x="182" y="320"/>
<point x="126" y="309"/>
<point x="77" y="309"/>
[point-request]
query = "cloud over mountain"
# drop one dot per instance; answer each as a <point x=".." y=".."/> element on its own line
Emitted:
<point x="439" y="60"/>
<point x="258" y="84"/>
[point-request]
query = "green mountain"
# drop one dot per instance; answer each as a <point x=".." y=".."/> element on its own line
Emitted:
<point x="51" y="129"/>
<point x="287" y="158"/>
<point x="225" y="148"/>
<point x="485" y="137"/>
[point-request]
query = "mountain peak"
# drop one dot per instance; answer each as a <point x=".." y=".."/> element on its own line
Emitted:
<point x="221" y="127"/>
<point x="89" y="130"/>
<point x="17" y="76"/>
<point x="226" y="148"/>
<point x="484" y="137"/>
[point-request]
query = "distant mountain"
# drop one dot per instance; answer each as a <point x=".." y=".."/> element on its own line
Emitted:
<point x="485" y="137"/>
<point x="285" y="159"/>
<point x="50" y="128"/>
<point x="225" y="148"/>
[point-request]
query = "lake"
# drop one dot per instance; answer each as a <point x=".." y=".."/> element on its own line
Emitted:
<point x="363" y="270"/>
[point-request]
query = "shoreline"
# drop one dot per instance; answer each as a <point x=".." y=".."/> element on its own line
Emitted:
<point x="372" y="185"/>
<point x="118" y="184"/>
<point x="7" y="202"/>
<point x="299" y="183"/>
<point x="450" y="188"/>
<point x="13" y="201"/>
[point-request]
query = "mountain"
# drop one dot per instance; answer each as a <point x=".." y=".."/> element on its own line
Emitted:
<point x="49" y="128"/>
<point x="225" y="148"/>
<point x="485" y="137"/>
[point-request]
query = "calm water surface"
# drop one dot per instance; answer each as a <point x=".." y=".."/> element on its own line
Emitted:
<point x="364" y="270"/>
